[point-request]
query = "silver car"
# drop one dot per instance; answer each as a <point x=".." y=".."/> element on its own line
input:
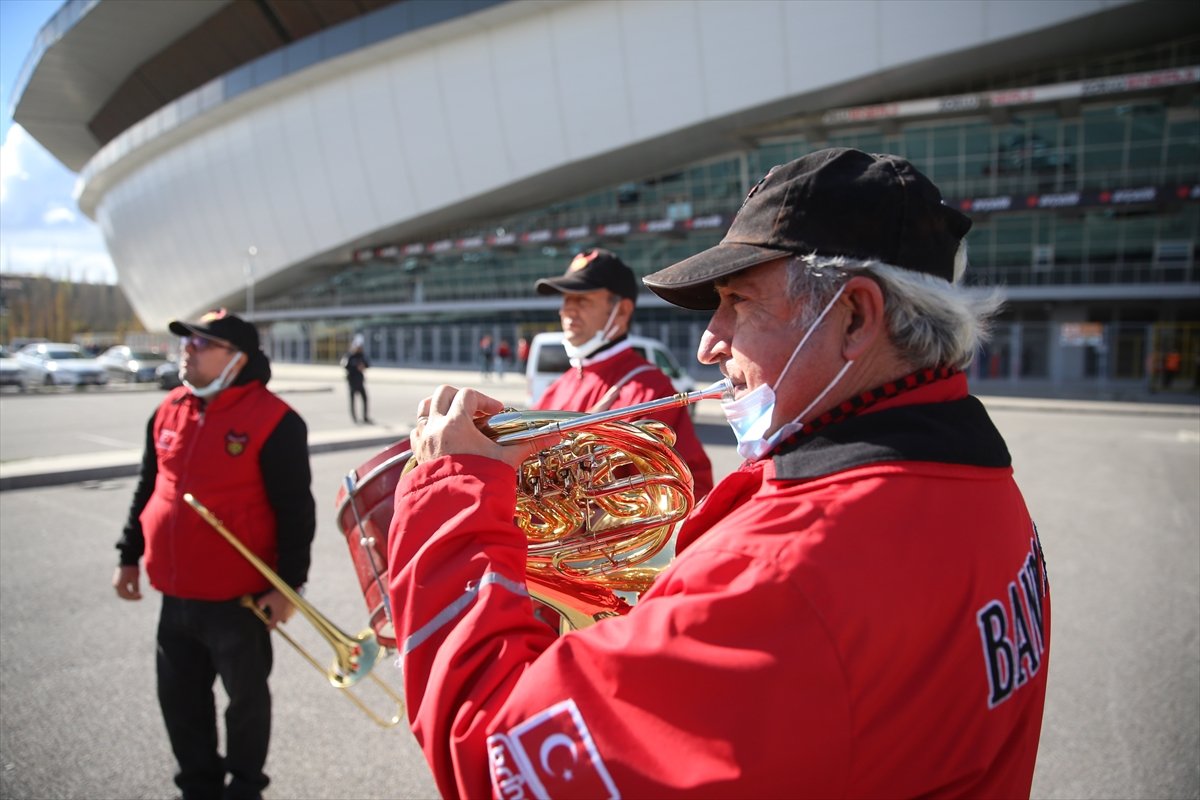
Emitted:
<point x="10" y="370"/>
<point x="132" y="365"/>
<point x="59" y="364"/>
<point x="167" y="375"/>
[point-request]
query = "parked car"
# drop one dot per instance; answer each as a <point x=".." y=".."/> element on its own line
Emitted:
<point x="167" y="375"/>
<point x="548" y="359"/>
<point x="131" y="365"/>
<point x="59" y="364"/>
<point x="10" y="370"/>
<point x="15" y="345"/>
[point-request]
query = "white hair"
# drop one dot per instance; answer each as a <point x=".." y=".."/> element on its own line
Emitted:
<point x="930" y="321"/>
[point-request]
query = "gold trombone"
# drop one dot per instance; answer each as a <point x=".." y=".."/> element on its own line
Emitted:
<point x="355" y="656"/>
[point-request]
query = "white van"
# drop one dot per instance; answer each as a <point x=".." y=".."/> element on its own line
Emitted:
<point x="548" y="359"/>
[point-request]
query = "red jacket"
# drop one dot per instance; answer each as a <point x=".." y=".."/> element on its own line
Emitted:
<point x="212" y="452"/>
<point x="582" y="388"/>
<point x="865" y="615"/>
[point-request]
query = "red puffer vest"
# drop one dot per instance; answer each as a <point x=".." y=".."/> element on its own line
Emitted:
<point x="213" y="453"/>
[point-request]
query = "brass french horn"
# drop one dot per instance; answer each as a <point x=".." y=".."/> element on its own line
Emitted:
<point x="599" y="504"/>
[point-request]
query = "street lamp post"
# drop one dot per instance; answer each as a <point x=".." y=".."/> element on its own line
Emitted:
<point x="251" y="252"/>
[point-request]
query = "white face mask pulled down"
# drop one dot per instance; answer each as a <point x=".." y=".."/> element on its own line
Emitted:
<point x="750" y="415"/>
<point x="577" y="353"/>
<point x="218" y="383"/>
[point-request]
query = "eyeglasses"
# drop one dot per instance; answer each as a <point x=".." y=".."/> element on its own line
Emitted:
<point x="200" y="343"/>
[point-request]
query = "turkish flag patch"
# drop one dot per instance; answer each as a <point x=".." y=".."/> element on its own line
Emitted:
<point x="551" y="754"/>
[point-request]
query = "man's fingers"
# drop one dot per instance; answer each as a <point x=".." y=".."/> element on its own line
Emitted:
<point x="441" y="400"/>
<point x="472" y="403"/>
<point x="447" y="425"/>
<point x="126" y="581"/>
<point x="264" y="605"/>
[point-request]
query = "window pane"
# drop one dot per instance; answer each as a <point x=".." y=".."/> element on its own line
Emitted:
<point x="1014" y="239"/>
<point x="1104" y="146"/>
<point x="1102" y="237"/>
<point x="916" y="145"/>
<point x="943" y="168"/>
<point x="1068" y="241"/>
<point x="1138" y="239"/>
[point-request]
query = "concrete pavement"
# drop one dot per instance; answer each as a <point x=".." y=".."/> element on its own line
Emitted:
<point x="287" y="380"/>
<point x="296" y="378"/>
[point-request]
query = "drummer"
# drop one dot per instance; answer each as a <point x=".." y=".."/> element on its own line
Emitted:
<point x="599" y="293"/>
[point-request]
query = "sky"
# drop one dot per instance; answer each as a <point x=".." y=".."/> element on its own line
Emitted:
<point x="42" y="230"/>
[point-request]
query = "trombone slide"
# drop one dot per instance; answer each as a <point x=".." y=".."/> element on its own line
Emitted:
<point x="355" y="656"/>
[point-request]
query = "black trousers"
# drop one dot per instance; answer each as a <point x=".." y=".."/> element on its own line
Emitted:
<point x="197" y="641"/>
<point x="358" y="388"/>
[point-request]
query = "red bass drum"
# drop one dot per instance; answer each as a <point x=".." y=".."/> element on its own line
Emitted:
<point x="365" y="504"/>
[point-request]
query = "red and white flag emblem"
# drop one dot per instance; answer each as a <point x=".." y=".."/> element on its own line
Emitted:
<point x="549" y="755"/>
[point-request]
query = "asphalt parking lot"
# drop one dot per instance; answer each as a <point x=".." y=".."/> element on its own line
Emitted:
<point x="1113" y="491"/>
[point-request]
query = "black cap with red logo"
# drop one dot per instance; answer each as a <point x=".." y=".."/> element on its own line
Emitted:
<point x="592" y="270"/>
<point x="222" y="326"/>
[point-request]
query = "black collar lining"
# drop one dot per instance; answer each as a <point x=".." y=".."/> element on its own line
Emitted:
<point x="955" y="432"/>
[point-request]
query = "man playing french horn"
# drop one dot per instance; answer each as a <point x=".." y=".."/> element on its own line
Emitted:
<point x="861" y="609"/>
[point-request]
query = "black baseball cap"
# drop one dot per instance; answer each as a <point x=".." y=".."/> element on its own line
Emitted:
<point x="838" y="201"/>
<point x="222" y="325"/>
<point x="591" y="270"/>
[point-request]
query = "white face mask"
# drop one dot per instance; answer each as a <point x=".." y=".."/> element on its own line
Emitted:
<point x="601" y="338"/>
<point x="750" y="415"/>
<point x="218" y="383"/>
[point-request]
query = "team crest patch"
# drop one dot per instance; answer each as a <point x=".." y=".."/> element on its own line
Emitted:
<point x="235" y="443"/>
<point x="166" y="440"/>
<point x="582" y="260"/>
<point x="551" y="754"/>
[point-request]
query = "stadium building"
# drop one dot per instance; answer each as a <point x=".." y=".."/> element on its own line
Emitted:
<point x="408" y="168"/>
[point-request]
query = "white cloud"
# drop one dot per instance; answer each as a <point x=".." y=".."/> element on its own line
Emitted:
<point x="41" y="233"/>
<point x="59" y="214"/>
<point x="10" y="161"/>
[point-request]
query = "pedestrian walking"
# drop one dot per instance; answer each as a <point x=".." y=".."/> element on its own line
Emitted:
<point x="355" y="363"/>
<point x="485" y="355"/>
<point x="503" y="354"/>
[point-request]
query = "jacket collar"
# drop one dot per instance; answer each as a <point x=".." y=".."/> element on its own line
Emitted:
<point x="224" y="398"/>
<point x="938" y="423"/>
<point x="609" y="350"/>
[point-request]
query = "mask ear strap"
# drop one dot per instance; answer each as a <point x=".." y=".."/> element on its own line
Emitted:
<point x="606" y="331"/>
<point x="225" y="373"/>
<point x="826" y="390"/>
<point x="811" y="328"/>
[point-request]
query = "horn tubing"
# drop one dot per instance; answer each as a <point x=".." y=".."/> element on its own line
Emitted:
<point x="392" y="722"/>
<point x="351" y="666"/>
<point x="629" y="412"/>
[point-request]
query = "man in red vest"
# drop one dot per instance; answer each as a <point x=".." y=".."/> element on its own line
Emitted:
<point x="598" y="293"/>
<point x="242" y="452"/>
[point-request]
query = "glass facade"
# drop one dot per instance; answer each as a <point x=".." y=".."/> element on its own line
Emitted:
<point x="1065" y="197"/>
